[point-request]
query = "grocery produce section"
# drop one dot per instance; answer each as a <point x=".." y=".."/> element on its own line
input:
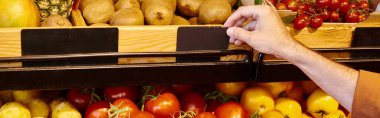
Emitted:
<point x="100" y="59"/>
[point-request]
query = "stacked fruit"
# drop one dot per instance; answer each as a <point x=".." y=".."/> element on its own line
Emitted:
<point x="155" y="12"/>
<point x="313" y="14"/>
<point x="225" y="100"/>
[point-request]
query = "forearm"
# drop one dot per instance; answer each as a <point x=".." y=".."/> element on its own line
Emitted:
<point x="336" y="79"/>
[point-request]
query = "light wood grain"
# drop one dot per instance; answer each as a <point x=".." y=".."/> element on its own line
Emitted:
<point x="372" y="21"/>
<point x="10" y="42"/>
<point x="330" y="35"/>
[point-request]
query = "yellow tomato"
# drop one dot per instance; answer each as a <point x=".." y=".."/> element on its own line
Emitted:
<point x="277" y="88"/>
<point x="24" y="96"/>
<point x="273" y="114"/>
<point x="306" y="116"/>
<point x="257" y="99"/>
<point x="288" y="107"/>
<point x="14" y="110"/>
<point x="296" y="93"/>
<point x="309" y="87"/>
<point x="336" y="114"/>
<point x="232" y="88"/>
<point x="320" y="103"/>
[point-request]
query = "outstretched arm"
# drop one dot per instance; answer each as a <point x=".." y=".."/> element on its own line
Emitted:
<point x="266" y="33"/>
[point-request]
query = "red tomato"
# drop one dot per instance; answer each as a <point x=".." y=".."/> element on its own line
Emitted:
<point x="231" y="110"/>
<point x="303" y="7"/>
<point x="79" y="98"/>
<point x="291" y="5"/>
<point x="335" y="4"/>
<point x="300" y="22"/>
<point x="205" y="115"/>
<point x="281" y="6"/>
<point x="316" y="22"/>
<point x="323" y="3"/>
<point x="182" y="88"/>
<point x="161" y="89"/>
<point x="126" y="105"/>
<point x="344" y="7"/>
<point x="97" y="110"/>
<point x="192" y="101"/>
<point x="334" y="17"/>
<point x="352" y="16"/>
<point x="363" y="5"/>
<point x="325" y="14"/>
<point x="142" y="114"/>
<point x="362" y="17"/>
<point x="163" y="105"/>
<point x="113" y="93"/>
<point x="353" y="6"/>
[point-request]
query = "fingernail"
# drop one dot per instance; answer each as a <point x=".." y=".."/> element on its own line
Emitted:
<point x="229" y="31"/>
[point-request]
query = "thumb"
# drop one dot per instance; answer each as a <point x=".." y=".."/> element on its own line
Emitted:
<point x="239" y="34"/>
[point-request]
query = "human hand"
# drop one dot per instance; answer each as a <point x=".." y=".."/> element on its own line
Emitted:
<point x="265" y="33"/>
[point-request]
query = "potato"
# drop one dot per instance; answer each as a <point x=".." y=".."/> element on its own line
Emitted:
<point x="65" y="110"/>
<point x="14" y="110"/>
<point x="24" y="96"/>
<point x="38" y="108"/>
<point x="53" y="104"/>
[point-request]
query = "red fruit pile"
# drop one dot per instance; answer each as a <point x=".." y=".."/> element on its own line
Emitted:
<point x="313" y="14"/>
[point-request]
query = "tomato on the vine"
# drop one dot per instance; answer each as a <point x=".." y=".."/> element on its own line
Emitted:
<point x="125" y="105"/>
<point x="335" y="4"/>
<point x="334" y="16"/>
<point x="205" y="115"/>
<point x="316" y="22"/>
<point x="97" y="110"/>
<point x="300" y="22"/>
<point x="352" y="16"/>
<point x="291" y="5"/>
<point x="323" y="3"/>
<point x="344" y="7"/>
<point x="113" y="93"/>
<point x="325" y="14"/>
<point x="79" y="98"/>
<point x="303" y="7"/>
<point x="231" y="110"/>
<point x="192" y="101"/>
<point x="163" y="106"/>
<point x="142" y="114"/>
<point x="353" y="6"/>
<point x="363" y="5"/>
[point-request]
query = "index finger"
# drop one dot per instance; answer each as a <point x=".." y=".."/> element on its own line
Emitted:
<point x="242" y="12"/>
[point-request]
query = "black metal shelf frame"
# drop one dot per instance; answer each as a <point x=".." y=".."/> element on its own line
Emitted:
<point x="196" y="71"/>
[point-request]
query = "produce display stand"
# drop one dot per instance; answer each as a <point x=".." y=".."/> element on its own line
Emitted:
<point x="154" y="55"/>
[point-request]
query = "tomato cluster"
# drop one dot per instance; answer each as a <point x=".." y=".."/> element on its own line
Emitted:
<point x="314" y="13"/>
<point x="221" y="100"/>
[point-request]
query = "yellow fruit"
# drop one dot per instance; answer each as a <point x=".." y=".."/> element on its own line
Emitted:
<point x="288" y="107"/>
<point x="19" y="13"/>
<point x="336" y="114"/>
<point x="273" y="114"/>
<point x="277" y="88"/>
<point x="232" y="88"/>
<point x="257" y="99"/>
<point x="24" y="96"/>
<point x="14" y="110"/>
<point x="38" y="108"/>
<point x="320" y="103"/>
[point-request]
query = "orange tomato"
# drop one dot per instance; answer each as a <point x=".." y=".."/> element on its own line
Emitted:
<point x="296" y="93"/>
<point x="232" y="88"/>
<point x="309" y="87"/>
